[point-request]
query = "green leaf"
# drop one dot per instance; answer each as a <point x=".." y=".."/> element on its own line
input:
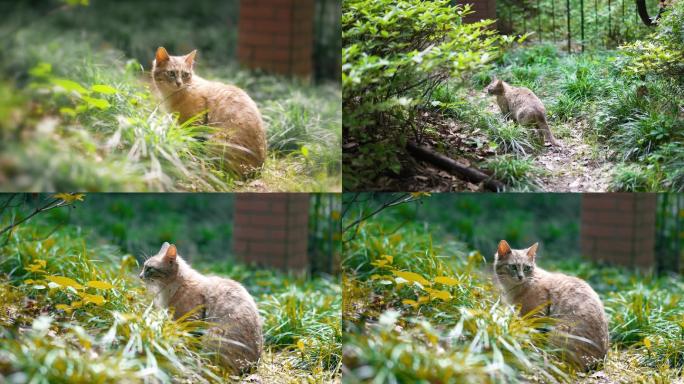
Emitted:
<point x="66" y="111"/>
<point x="105" y="89"/>
<point x="41" y="70"/>
<point x="94" y="102"/>
<point x="69" y="85"/>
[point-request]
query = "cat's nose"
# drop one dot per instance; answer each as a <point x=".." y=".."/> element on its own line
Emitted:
<point x="178" y="84"/>
<point x="520" y="277"/>
<point x="140" y="275"/>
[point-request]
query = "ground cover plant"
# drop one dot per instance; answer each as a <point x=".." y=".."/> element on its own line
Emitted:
<point x="73" y="310"/>
<point x="78" y="111"/>
<point x="616" y="108"/>
<point x="420" y="306"/>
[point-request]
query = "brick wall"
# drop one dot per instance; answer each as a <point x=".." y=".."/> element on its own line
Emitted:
<point x="484" y="9"/>
<point x="277" y="36"/>
<point x="619" y="228"/>
<point x="272" y="229"/>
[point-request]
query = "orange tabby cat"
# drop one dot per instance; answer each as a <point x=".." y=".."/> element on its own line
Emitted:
<point x="224" y="302"/>
<point x="241" y="139"/>
<point x="582" y="327"/>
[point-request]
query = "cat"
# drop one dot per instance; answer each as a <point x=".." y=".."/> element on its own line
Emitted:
<point x="237" y="334"/>
<point x="570" y="300"/>
<point x="241" y="139"/>
<point x="523" y="106"/>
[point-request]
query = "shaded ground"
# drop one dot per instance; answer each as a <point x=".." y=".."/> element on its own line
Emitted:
<point x="575" y="166"/>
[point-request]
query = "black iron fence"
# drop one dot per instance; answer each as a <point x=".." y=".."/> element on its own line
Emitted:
<point x="578" y="24"/>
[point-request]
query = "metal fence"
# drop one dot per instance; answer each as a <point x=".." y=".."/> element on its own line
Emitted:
<point x="579" y="24"/>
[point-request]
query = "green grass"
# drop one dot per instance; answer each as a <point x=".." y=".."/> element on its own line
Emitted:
<point x="62" y="134"/>
<point x="517" y="172"/>
<point x="421" y="328"/>
<point x="46" y="338"/>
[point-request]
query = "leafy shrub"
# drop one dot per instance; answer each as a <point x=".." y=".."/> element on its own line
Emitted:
<point x="662" y="53"/>
<point x="395" y="54"/>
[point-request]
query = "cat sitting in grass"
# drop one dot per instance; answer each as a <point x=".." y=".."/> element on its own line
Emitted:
<point x="236" y="334"/>
<point x="581" y="331"/>
<point x="240" y="139"/>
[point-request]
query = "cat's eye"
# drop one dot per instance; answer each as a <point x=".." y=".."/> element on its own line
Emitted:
<point x="514" y="267"/>
<point x="171" y="74"/>
<point x="528" y="268"/>
<point x="186" y="75"/>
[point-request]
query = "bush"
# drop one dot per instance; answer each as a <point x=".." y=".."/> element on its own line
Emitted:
<point x="662" y="52"/>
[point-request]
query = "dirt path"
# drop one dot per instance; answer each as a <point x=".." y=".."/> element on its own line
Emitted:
<point x="574" y="166"/>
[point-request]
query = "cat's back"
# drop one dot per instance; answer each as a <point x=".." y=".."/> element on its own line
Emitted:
<point x="575" y="301"/>
<point x="523" y="98"/>
<point x="571" y="295"/>
<point x="227" y="295"/>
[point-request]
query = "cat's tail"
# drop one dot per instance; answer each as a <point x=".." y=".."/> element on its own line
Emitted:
<point x="544" y="126"/>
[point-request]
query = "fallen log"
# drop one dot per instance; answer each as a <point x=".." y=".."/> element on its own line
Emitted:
<point x="469" y="174"/>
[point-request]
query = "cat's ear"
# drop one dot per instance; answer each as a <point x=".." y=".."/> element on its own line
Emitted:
<point x="161" y="56"/>
<point x="170" y="254"/>
<point x="532" y="251"/>
<point x="190" y="58"/>
<point x="503" y="249"/>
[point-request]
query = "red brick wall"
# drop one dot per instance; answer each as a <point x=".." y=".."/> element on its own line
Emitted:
<point x="272" y="229"/>
<point x="619" y="228"/>
<point x="277" y="36"/>
<point x="484" y="9"/>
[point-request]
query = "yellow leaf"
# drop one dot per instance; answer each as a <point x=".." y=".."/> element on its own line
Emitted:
<point x="379" y="263"/>
<point x="69" y="197"/>
<point x="410" y="302"/>
<point x="450" y="281"/>
<point x="388" y="258"/>
<point x="437" y="294"/>
<point x="76" y="304"/>
<point x="300" y="345"/>
<point x="37" y="266"/>
<point x="412" y="277"/>
<point x="335" y="215"/>
<point x="64" y="308"/>
<point x="99" y="284"/>
<point x="64" y="281"/>
<point x="423" y="299"/>
<point x="95" y="299"/>
<point x="29" y="281"/>
<point x="647" y="343"/>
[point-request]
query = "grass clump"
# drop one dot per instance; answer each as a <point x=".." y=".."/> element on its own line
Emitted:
<point x="519" y="173"/>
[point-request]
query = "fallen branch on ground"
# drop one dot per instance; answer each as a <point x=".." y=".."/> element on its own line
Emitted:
<point x="466" y="173"/>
